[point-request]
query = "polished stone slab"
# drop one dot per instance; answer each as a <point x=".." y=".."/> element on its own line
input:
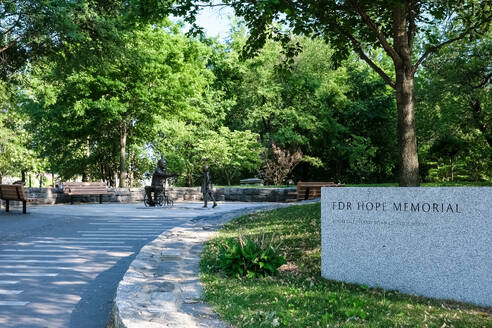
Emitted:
<point x="435" y="242"/>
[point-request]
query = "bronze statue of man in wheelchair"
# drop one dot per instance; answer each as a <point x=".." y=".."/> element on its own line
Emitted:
<point x="157" y="186"/>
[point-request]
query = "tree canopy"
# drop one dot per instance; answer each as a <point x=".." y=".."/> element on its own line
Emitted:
<point x="110" y="87"/>
<point x="360" y="25"/>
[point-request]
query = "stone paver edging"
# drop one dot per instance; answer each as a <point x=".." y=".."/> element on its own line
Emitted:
<point x="161" y="287"/>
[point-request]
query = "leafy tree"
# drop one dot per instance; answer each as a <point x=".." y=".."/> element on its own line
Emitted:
<point x="8" y="147"/>
<point x="448" y="147"/>
<point x="454" y="94"/>
<point x="99" y="111"/>
<point x="459" y="81"/>
<point x="279" y="163"/>
<point x="359" y="25"/>
<point x="29" y="29"/>
<point x="32" y="29"/>
<point x="366" y="146"/>
<point x="190" y="146"/>
<point x="282" y="106"/>
<point x="327" y="113"/>
<point x="16" y="157"/>
<point x="51" y="30"/>
<point x="244" y="153"/>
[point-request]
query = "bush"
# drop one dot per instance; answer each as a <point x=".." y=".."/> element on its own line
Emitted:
<point x="248" y="257"/>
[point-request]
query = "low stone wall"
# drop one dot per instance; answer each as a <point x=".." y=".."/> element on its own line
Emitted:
<point x="127" y="195"/>
<point x="255" y="194"/>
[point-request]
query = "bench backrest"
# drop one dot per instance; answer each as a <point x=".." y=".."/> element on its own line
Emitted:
<point x="13" y="192"/>
<point x="311" y="190"/>
<point x="84" y="188"/>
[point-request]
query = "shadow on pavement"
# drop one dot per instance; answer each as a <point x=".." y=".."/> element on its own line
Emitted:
<point x="94" y="309"/>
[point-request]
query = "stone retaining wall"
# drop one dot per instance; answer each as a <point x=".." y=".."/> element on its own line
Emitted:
<point x="255" y="194"/>
<point x="126" y="195"/>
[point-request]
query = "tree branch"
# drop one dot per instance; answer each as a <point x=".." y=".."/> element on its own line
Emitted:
<point x="209" y="5"/>
<point x="439" y="46"/>
<point x="11" y="43"/>
<point x="412" y="7"/>
<point x="435" y="48"/>
<point x="484" y="81"/>
<point x="373" y="26"/>
<point x="358" y="48"/>
<point x="14" y="25"/>
<point x="4" y="48"/>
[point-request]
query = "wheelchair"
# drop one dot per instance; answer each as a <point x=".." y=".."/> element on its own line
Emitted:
<point x="160" y="199"/>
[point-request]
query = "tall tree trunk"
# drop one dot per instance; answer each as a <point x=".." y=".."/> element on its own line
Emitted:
<point x="40" y="180"/>
<point x="30" y="181"/>
<point x="23" y="174"/>
<point x="228" y="177"/>
<point x="85" y="175"/>
<point x="1" y="178"/>
<point x="131" y="175"/>
<point x="52" y="180"/>
<point x="407" y="139"/>
<point x="103" y="174"/>
<point x="109" y="173"/>
<point x="123" y="171"/>
<point x="452" y="169"/>
<point x="115" y="178"/>
<point x="189" y="177"/>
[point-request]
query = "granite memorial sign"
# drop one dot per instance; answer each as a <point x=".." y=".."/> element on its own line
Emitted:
<point x="435" y="242"/>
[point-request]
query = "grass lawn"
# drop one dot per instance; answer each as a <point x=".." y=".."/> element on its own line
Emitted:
<point x="256" y="186"/>
<point x="299" y="297"/>
<point x="388" y="184"/>
<point x="429" y="184"/>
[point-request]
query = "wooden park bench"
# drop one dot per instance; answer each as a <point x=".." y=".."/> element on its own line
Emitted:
<point x="85" y="188"/>
<point x="14" y="192"/>
<point x="312" y="190"/>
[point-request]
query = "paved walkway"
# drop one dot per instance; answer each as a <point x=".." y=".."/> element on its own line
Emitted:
<point x="162" y="286"/>
<point x="60" y="265"/>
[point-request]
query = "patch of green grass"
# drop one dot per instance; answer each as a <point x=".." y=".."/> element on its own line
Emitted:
<point x="299" y="297"/>
<point x="429" y="184"/>
<point x="389" y="184"/>
<point x="458" y="184"/>
<point x="257" y="186"/>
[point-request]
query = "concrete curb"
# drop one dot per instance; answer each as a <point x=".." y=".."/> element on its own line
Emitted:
<point x="162" y="286"/>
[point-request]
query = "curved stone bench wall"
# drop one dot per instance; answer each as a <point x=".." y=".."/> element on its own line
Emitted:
<point x="126" y="195"/>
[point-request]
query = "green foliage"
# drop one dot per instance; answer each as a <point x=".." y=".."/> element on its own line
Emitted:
<point x="15" y="153"/>
<point x="33" y="30"/>
<point x="343" y="121"/>
<point x="362" y="26"/>
<point x="455" y="102"/>
<point x="98" y="70"/>
<point x="248" y="257"/>
<point x="29" y="29"/>
<point x="189" y="146"/>
<point x="155" y="75"/>
<point x="447" y="146"/>
<point x="243" y="153"/>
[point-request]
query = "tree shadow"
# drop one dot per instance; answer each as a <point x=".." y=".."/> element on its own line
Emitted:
<point x="94" y="308"/>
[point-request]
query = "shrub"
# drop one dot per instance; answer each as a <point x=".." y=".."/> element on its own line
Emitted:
<point x="248" y="257"/>
<point x="279" y="163"/>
